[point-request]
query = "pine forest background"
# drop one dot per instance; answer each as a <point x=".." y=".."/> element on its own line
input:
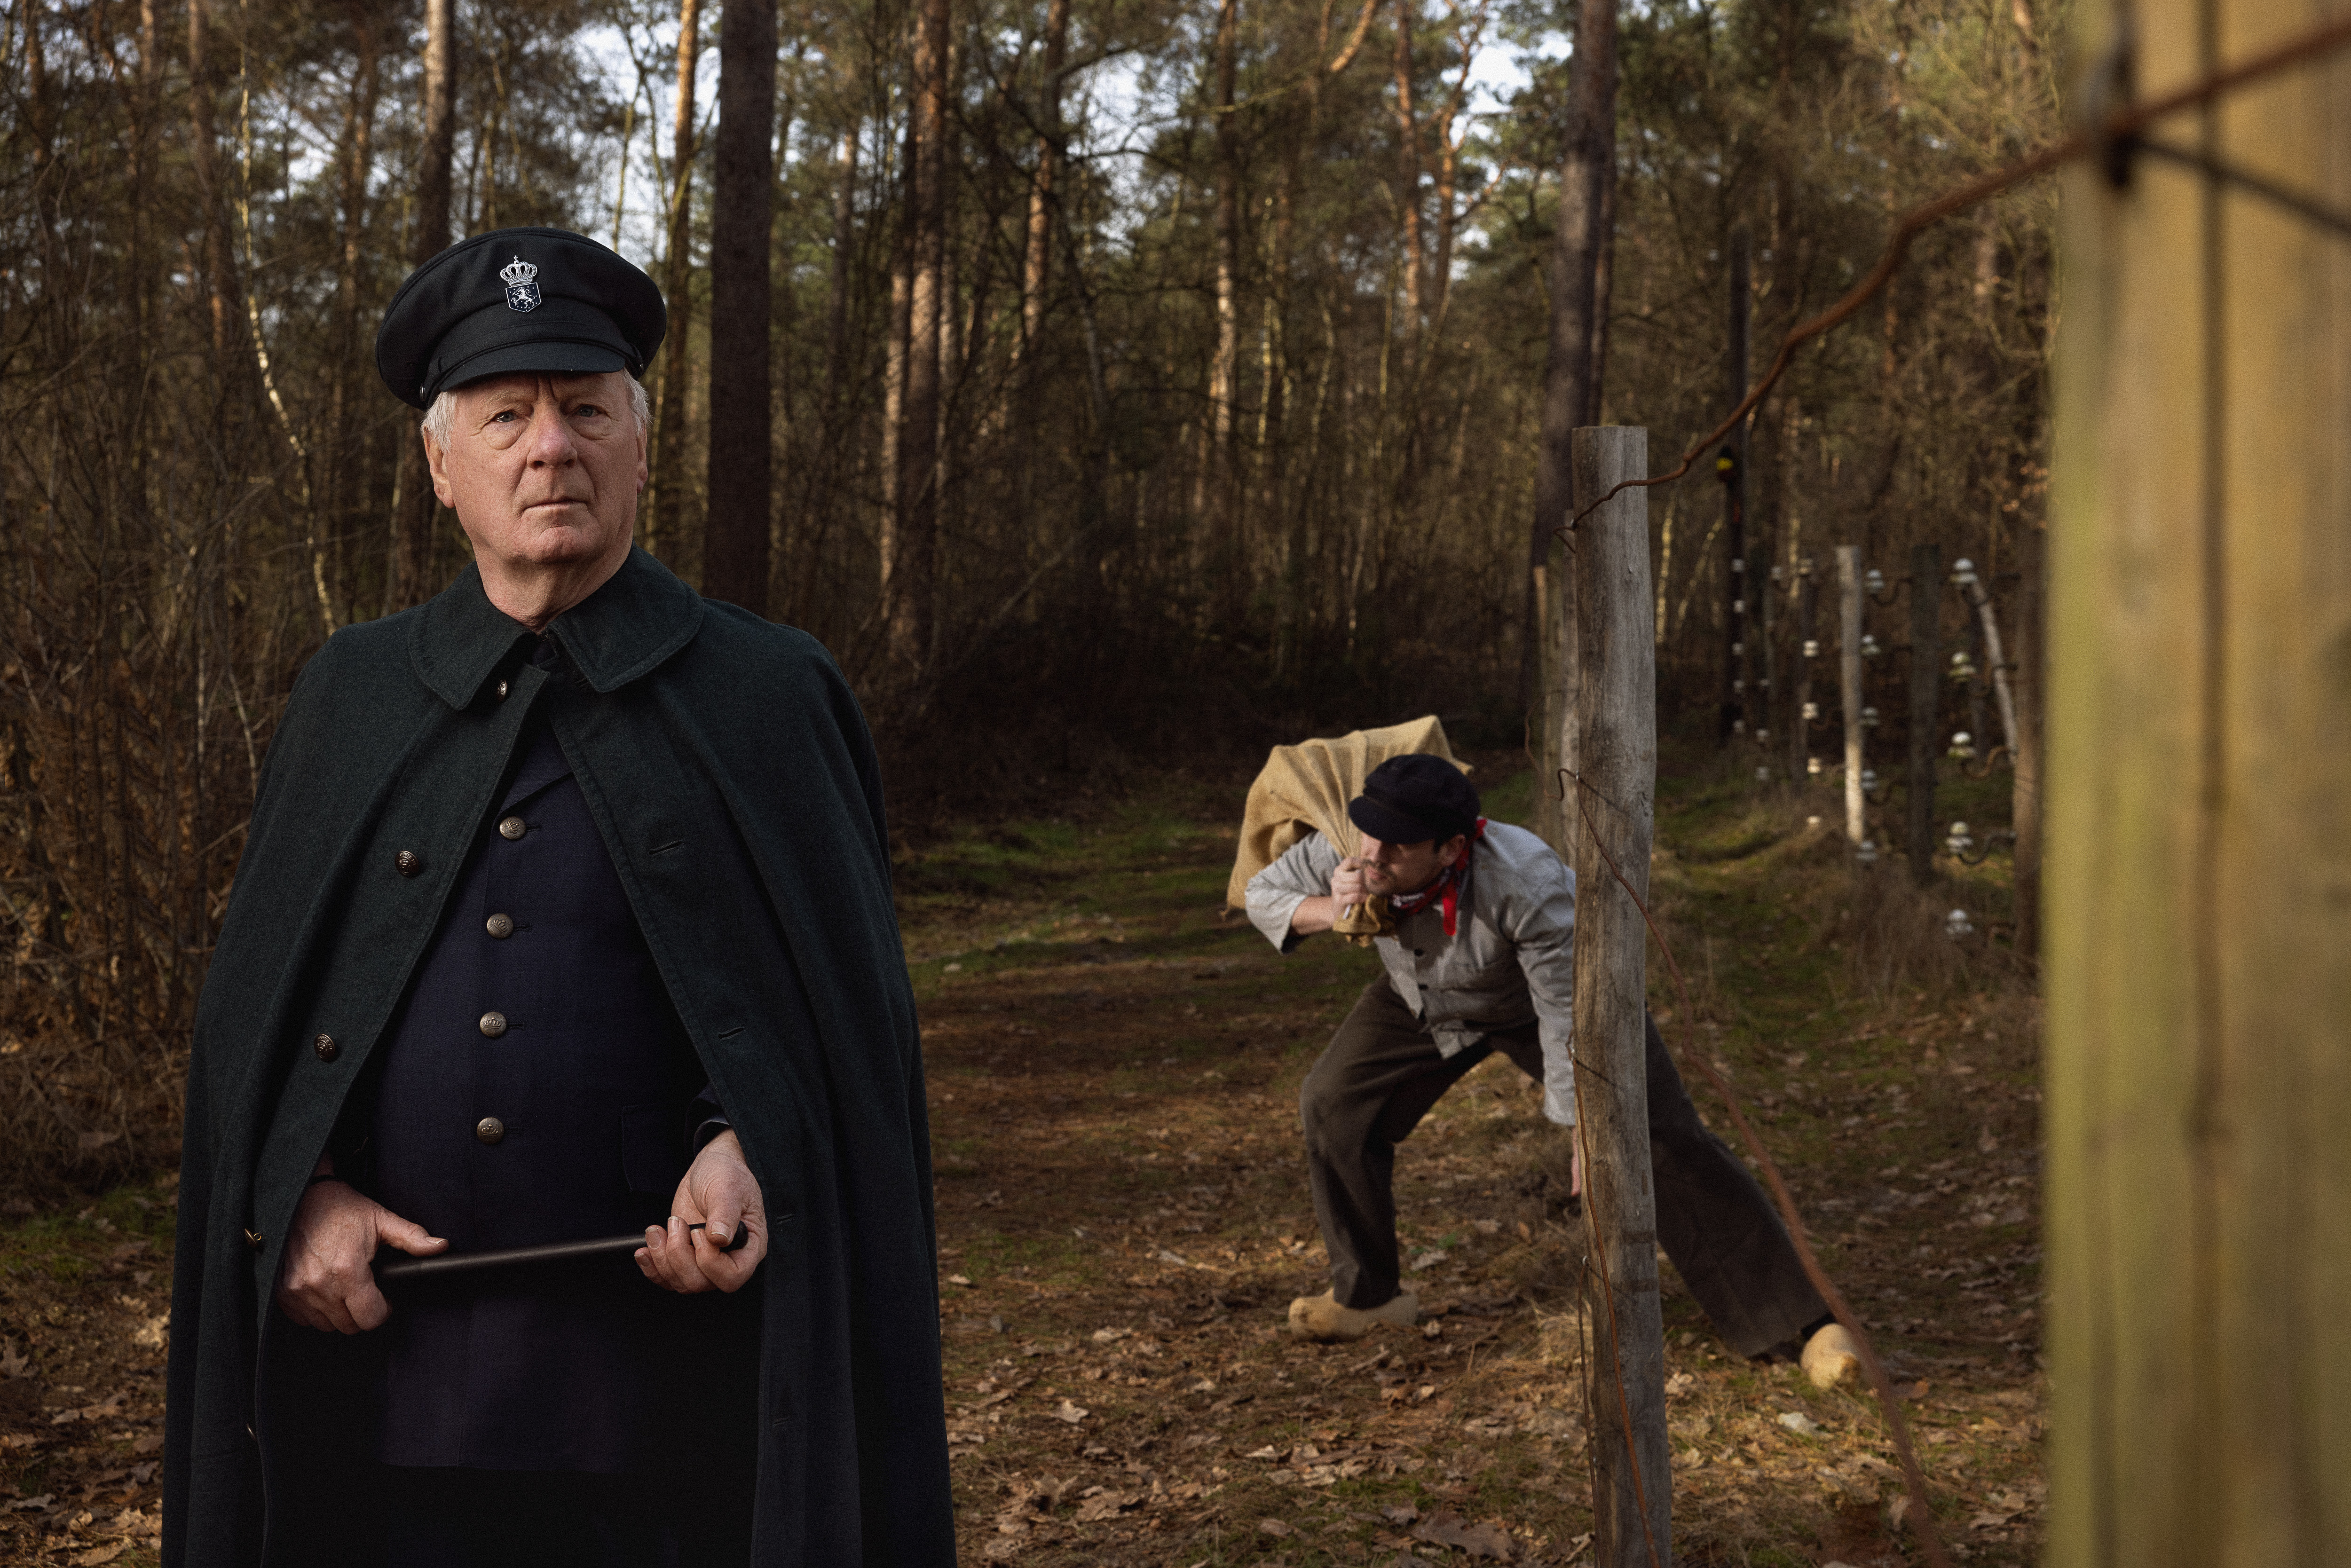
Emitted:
<point x="1142" y="383"/>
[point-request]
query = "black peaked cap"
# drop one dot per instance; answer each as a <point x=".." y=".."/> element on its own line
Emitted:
<point x="544" y="300"/>
<point x="1412" y="799"/>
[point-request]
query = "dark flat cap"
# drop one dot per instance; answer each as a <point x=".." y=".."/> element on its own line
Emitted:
<point x="1414" y="798"/>
<point x="544" y="300"/>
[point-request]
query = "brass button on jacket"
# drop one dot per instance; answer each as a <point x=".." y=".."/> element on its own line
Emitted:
<point x="500" y="926"/>
<point x="494" y="1024"/>
<point x="513" y="828"/>
<point x="489" y="1129"/>
<point x="326" y="1048"/>
<point x="253" y="1240"/>
<point x="408" y="862"/>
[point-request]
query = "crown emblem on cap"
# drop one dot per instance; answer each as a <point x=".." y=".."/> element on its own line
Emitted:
<point x="521" y="279"/>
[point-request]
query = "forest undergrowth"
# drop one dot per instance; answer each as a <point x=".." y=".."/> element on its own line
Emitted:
<point x="1122" y="1219"/>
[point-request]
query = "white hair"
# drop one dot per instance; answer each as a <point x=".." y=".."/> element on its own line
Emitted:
<point x="444" y="412"/>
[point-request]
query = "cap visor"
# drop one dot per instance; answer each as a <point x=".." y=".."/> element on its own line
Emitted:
<point x="545" y="358"/>
<point x="1388" y="826"/>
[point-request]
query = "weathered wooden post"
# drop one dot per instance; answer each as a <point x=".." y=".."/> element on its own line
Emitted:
<point x="1731" y="467"/>
<point x="1557" y="821"/>
<point x="1617" y="726"/>
<point x="2198" y="939"/>
<point x="1926" y="703"/>
<point x="1799" y="721"/>
<point x="1849" y="673"/>
<point x="1765" y="578"/>
<point x="1979" y="687"/>
<point x="1971" y="589"/>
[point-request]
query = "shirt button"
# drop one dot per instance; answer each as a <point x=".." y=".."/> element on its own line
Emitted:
<point x="489" y="1129"/>
<point x="494" y="1024"/>
<point x="500" y="926"/>
<point x="513" y="828"/>
<point x="326" y="1048"/>
<point x="501" y="691"/>
<point x="408" y="862"/>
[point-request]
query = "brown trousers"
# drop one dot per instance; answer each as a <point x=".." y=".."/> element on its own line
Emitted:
<point x="1381" y="1074"/>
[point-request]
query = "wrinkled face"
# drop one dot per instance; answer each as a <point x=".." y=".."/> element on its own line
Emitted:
<point x="1406" y="868"/>
<point x="543" y="471"/>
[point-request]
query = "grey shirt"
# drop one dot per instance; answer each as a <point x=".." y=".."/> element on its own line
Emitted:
<point x="1511" y="960"/>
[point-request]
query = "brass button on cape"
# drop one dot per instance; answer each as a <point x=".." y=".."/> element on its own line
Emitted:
<point x="513" y="828"/>
<point x="500" y="926"/>
<point x="326" y="1048"/>
<point x="408" y="862"/>
<point x="253" y="1240"/>
<point x="489" y="1129"/>
<point x="494" y="1024"/>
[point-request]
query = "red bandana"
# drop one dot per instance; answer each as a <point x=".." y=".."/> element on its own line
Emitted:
<point x="1445" y="890"/>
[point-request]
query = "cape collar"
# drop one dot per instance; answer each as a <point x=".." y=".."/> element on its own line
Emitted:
<point x="622" y="631"/>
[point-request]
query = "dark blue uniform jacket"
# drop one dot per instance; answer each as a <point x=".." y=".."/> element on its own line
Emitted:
<point x="537" y="1086"/>
<point x="728" y="776"/>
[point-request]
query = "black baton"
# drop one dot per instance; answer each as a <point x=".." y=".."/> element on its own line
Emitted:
<point x="400" y="1267"/>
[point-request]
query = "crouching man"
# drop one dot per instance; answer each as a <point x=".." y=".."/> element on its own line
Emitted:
<point x="1475" y="922"/>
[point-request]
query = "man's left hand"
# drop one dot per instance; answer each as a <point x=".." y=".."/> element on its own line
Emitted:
<point x="719" y="1193"/>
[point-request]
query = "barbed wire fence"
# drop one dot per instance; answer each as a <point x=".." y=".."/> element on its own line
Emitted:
<point x="2114" y="131"/>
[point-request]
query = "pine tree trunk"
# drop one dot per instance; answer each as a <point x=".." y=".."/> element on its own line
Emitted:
<point x="351" y="360"/>
<point x="1587" y="175"/>
<point x="1223" y="555"/>
<point x="418" y="511"/>
<point x="844" y="239"/>
<point x="1036" y="261"/>
<point x="219" y="256"/>
<point x="669" y="409"/>
<point x="913" y="572"/>
<point x="735" y="559"/>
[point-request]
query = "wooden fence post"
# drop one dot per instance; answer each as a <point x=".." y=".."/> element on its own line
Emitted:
<point x="1926" y="703"/>
<point x="1849" y="671"/>
<point x="1730" y="466"/>
<point x="1800" y="727"/>
<point x="1978" y="598"/>
<point x="2198" y="939"/>
<point x="1557" y="821"/>
<point x="1616" y="725"/>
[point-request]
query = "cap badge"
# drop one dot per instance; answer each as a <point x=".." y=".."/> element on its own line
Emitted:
<point x="522" y="286"/>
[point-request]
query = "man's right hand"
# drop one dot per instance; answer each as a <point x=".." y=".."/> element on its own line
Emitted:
<point x="1348" y="887"/>
<point x="324" y="1281"/>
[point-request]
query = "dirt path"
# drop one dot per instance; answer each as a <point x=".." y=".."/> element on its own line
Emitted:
<point x="1123" y="1219"/>
<point x="1121" y="1200"/>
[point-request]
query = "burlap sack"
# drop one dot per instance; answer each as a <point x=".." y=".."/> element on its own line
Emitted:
<point x="1305" y="789"/>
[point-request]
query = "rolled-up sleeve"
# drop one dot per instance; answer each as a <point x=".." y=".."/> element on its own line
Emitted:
<point x="1304" y="871"/>
<point x="1541" y="923"/>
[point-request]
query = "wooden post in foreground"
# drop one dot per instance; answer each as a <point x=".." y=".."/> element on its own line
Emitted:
<point x="2198" y="939"/>
<point x="1849" y="670"/>
<point x="1617" y="731"/>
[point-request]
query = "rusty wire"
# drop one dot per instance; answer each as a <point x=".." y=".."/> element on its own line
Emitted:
<point x="2111" y="136"/>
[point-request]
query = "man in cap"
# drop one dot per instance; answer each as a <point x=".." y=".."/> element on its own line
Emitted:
<point x="1475" y="924"/>
<point x="564" y="912"/>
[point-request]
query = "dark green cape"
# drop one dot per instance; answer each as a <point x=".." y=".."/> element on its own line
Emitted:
<point x="731" y="775"/>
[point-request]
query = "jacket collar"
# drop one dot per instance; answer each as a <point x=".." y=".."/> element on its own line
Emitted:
<point x="623" y="629"/>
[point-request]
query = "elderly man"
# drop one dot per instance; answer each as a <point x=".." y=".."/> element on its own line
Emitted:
<point x="1475" y="922"/>
<point x="564" y="912"/>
